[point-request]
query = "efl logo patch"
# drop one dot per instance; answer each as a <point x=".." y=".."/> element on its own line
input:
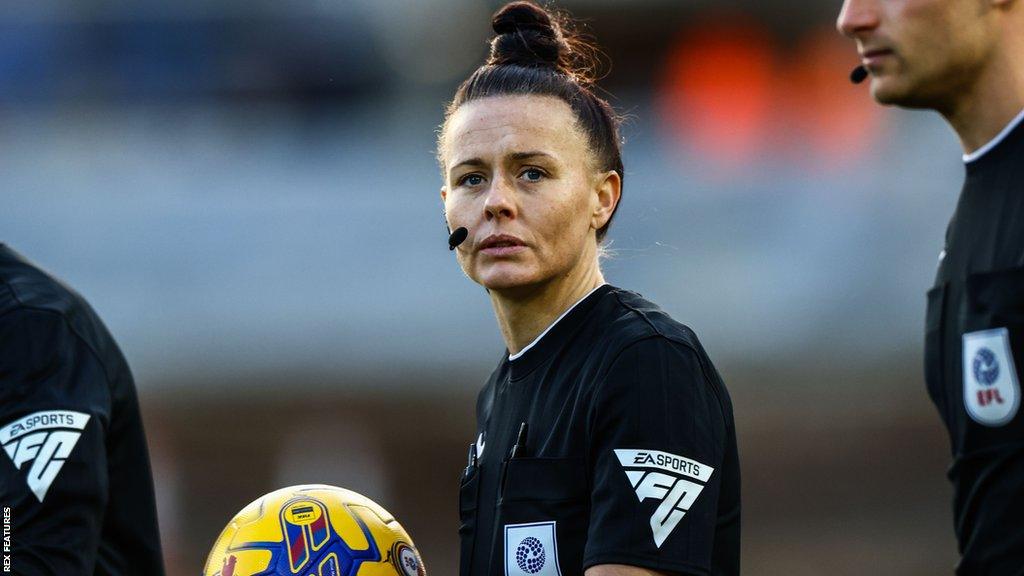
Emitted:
<point x="991" y="389"/>
<point x="531" y="550"/>
<point x="659" y="475"/>
<point x="45" y="439"/>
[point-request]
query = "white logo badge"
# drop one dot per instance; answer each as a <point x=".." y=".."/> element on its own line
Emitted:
<point x="991" y="390"/>
<point x="646" y="470"/>
<point x="531" y="550"/>
<point x="480" y="441"/>
<point x="45" y="439"/>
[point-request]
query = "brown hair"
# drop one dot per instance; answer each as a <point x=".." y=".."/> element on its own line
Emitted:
<point x="537" y="52"/>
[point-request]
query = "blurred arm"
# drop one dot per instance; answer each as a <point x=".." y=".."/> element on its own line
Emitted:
<point x="53" y="467"/>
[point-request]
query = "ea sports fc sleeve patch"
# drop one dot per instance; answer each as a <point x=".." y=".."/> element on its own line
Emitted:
<point x="657" y="443"/>
<point x="674" y="482"/>
<point x="42" y="441"/>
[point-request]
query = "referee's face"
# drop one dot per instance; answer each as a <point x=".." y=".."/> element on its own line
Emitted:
<point x="519" y="174"/>
<point x="921" y="53"/>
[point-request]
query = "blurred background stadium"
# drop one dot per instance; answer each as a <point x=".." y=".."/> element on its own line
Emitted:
<point x="247" y="194"/>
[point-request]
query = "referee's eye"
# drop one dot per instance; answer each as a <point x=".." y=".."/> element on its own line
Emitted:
<point x="470" y="180"/>
<point x="533" y="174"/>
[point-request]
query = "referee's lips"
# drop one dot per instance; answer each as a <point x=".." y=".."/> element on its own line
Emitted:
<point x="871" y="58"/>
<point x="501" y="245"/>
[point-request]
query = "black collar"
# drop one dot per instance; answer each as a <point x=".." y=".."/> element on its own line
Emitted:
<point x="557" y="336"/>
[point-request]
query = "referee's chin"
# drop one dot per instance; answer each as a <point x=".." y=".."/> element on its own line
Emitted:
<point x="905" y="91"/>
<point x="509" y="279"/>
<point x="887" y="96"/>
<point x="511" y="286"/>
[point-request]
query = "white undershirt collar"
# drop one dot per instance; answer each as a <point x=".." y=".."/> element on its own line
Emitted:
<point x="968" y="158"/>
<point x="548" y="329"/>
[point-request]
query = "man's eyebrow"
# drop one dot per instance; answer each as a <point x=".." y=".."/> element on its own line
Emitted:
<point x="469" y="162"/>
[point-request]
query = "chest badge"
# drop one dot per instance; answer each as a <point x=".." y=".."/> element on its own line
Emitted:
<point x="531" y="550"/>
<point x="991" y="388"/>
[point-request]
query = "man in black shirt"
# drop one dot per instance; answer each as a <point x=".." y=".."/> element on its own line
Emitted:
<point x="609" y="440"/>
<point x="965" y="59"/>
<point x="75" y="483"/>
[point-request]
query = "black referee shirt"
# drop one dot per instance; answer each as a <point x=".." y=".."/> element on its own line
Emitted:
<point x="974" y="351"/>
<point x="75" y="481"/>
<point x="628" y="453"/>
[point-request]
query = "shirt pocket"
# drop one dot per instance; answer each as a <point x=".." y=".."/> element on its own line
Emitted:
<point x="469" y="491"/>
<point x="541" y="497"/>
<point x="994" y="300"/>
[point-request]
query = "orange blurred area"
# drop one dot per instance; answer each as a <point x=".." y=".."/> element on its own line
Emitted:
<point x="837" y="121"/>
<point x="732" y="94"/>
<point x="717" y="90"/>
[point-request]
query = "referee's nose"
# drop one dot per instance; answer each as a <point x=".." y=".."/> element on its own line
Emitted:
<point x="501" y="200"/>
<point x="857" y="16"/>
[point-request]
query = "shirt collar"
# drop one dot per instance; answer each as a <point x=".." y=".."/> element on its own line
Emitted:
<point x="968" y="158"/>
<point x="555" y="334"/>
<point x="513" y="357"/>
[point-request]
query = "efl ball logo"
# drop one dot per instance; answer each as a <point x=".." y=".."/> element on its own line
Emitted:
<point x="304" y="513"/>
<point x="406" y="560"/>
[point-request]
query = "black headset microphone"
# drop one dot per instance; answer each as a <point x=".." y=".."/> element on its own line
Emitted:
<point x="859" y="74"/>
<point x="457" y="237"/>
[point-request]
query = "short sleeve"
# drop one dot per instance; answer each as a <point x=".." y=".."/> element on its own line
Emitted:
<point x="657" y="437"/>
<point x="53" y="474"/>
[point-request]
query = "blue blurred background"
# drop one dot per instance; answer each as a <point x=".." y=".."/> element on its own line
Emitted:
<point x="248" y="195"/>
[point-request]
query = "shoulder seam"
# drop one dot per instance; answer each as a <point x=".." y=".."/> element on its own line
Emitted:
<point x="659" y="334"/>
<point x="14" y="294"/>
<point x="615" y="359"/>
<point x="74" y="332"/>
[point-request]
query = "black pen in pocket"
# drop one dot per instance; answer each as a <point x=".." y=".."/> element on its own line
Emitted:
<point x="520" y="446"/>
<point x="471" y="460"/>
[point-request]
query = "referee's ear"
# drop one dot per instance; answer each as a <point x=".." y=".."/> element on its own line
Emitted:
<point x="607" y="192"/>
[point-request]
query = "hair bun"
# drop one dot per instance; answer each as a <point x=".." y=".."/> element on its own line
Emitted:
<point x="521" y="15"/>
<point x="527" y="35"/>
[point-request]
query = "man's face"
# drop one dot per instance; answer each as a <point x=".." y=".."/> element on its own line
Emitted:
<point x="519" y="175"/>
<point x="920" y="53"/>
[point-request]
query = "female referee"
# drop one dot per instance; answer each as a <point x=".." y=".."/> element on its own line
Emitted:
<point x="606" y="443"/>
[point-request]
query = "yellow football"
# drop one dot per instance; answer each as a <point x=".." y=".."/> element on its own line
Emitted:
<point x="314" y="530"/>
